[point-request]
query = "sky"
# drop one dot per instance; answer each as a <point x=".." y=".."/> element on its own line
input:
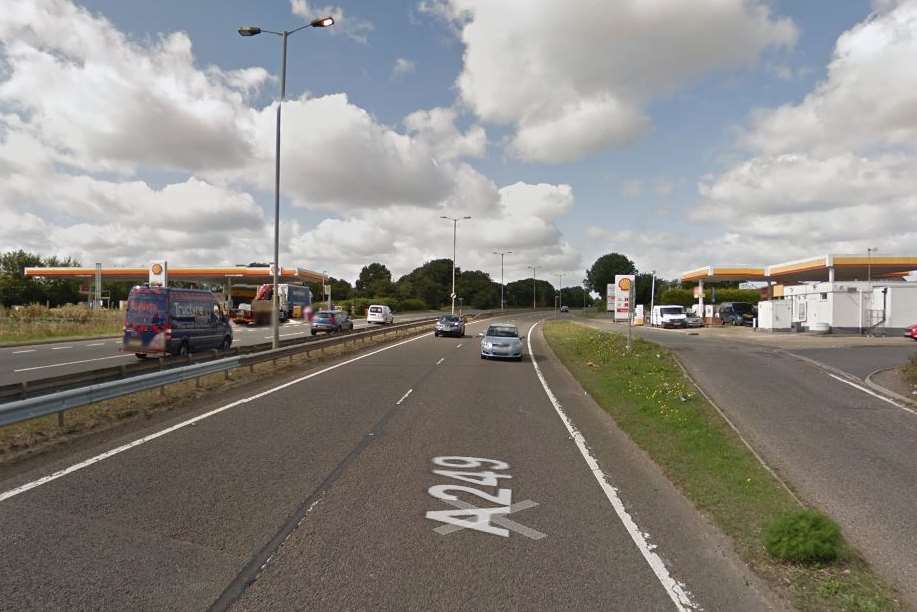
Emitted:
<point x="680" y="134"/>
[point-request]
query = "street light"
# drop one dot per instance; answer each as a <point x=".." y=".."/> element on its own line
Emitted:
<point x="653" y="299"/>
<point x="534" y="304"/>
<point x="501" y="254"/>
<point x="321" y="22"/>
<point x="560" y="291"/>
<point x="869" y="253"/>
<point x="455" y="221"/>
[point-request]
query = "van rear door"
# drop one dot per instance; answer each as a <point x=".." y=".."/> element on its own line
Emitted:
<point x="146" y="321"/>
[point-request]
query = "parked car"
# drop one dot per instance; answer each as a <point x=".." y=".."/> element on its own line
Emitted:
<point x="380" y="313"/>
<point x="692" y="320"/>
<point x="737" y="313"/>
<point x="450" y="325"/>
<point x="565" y="309"/>
<point x="331" y="321"/>
<point x="911" y="331"/>
<point x="668" y="316"/>
<point x="161" y="320"/>
<point x="501" y="340"/>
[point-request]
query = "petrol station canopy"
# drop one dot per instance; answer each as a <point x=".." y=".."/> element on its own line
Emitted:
<point x="821" y="268"/>
<point x="237" y="274"/>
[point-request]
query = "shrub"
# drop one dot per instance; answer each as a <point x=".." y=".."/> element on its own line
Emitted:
<point x="910" y="370"/>
<point x="804" y="536"/>
<point x="413" y="304"/>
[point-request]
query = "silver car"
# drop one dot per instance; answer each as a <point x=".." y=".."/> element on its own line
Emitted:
<point x="450" y="325"/>
<point x="501" y="340"/>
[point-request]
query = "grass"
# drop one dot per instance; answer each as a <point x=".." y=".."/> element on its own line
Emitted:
<point x="804" y="536"/>
<point x="910" y="370"/>
<point x="650" y="398"/>
<point x="36" y="322"/>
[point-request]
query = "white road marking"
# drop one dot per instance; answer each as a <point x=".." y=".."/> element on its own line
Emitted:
<point x="676" y="591"/>
<point x="57" y="348"/>
<point x="497" y="519"/>
<point x="24" y="351"/>
<point x="66" y="363"/>
<point x="441" y="359"/>
<point x="120" y="449"/>
<point x="458" y="346"/>
<point x="404" y="397"/>
<point x="872" y="393"/>
<point x="97" y="344"/>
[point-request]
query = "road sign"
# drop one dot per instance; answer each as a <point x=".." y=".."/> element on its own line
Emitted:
<point x="453" y="296"/>
<point x="623" y="290"/>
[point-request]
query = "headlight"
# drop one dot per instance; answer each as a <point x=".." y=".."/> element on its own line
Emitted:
<point x="487" y="345"/>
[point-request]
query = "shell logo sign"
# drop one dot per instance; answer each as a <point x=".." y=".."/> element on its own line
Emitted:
<point x="623" y="304"/>
<point x="624" y="283"/>
<point x="159" y="274"/>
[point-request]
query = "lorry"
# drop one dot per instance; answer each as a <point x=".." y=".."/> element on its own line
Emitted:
<point x="293" y="302"/>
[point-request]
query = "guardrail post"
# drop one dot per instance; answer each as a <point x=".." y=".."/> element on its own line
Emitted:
<point x="23" y="388"/>
<point x="60" y="419"/>
<point x="197" y="382"/>
<point x="251" y="368"/>
<point x="162" y="391"/>
<point x="226" y="375"/>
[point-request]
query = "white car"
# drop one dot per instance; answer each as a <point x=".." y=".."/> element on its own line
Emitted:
<point x="501" y="341"/>
<point x="379" y="313"/>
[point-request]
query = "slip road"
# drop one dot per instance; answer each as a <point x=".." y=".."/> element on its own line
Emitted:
<point x="415" y="476"/>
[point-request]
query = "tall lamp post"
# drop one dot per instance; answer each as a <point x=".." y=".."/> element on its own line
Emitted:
<point x="534" y="301"/>
<point x="560" y="291"/>
<point x="321" y="22"/>
<point x="455" y="221"/>
<point x="653" y="299"/>
<point x="869" y="253"/>
<point x="501" y="254"/>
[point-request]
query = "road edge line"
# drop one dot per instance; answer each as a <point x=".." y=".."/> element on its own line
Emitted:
<point x="676" y="593"/>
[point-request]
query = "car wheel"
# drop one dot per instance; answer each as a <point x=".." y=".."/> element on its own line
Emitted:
<point x="227" y="343"/>
<point x="483" y="357"/>
<point x="183" y="349"/>
<point x="140" y="355"/>
<point x="314" y="332"/>
<point x="436" y="333"/>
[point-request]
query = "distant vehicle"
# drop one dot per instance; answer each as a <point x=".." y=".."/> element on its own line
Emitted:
<point x="668" y="316"/>
<point x="737" y="313"/>
<point x="331" y="321"/>
<point x="501" y="340"/>
<point x="161" y="320"/>
<point x="692" y="320"/>
<point x="450" y="325"/>
<point x="380" y="314"/>
<point x="565" y="309"/>
<point x="911" y="331"/>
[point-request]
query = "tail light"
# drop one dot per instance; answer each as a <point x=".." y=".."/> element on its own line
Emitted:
<point x="334" y="320"/>
<point x="168" y="332"/>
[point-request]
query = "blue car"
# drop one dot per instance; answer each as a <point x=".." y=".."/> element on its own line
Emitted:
<point x="163" y="320"/>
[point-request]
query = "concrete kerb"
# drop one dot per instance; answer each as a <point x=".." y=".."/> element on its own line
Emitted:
<point x="885" y="391"/>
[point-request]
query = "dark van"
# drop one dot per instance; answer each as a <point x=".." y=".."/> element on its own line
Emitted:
<point x="163" y="320"/>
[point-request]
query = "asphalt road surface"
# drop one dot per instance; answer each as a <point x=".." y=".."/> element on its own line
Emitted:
<point x="39" y="361"/>
<point x="842" y="449"/>
<point x="334" y="491"/>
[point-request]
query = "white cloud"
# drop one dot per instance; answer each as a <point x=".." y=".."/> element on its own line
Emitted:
<point x="403" y="67"/>
<point x="354" y="27"/>
<point x="575" y="77"/>
<point x="436" y="127"/>
<point x="838" y="171"/>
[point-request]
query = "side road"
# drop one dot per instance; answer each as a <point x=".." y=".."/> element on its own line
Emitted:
<point x="843" y="450"/>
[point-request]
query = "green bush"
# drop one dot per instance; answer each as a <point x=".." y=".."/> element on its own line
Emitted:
<point x="358" y="306"/>
<point x="412" y="304"/>
<point x="804" y="536"/>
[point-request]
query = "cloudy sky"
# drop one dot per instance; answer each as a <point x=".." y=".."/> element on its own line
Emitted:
<point x="679" y="133"/>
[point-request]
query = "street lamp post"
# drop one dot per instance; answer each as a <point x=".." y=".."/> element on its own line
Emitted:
<point x="455" y="221"/>
<point x="653" y="298"/>
<point x="534" y="301"/>
<point x="501" y="254"/>
<point x="322" y="22"/>
<point x="869" y="252"/>
<point x="560" y="291"/>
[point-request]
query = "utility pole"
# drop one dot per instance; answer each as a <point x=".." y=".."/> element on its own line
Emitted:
<point x="560" y="290"/>
<point x="869" y="253"/>
<point x="455" y="221"/>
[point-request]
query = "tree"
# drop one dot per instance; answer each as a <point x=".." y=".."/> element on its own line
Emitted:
<point x="431" y="282"/>
<point x="375" y="281"/>
<point x="16" y="289"/>
<point x="644" y="289"/>
<point x="477" y="289"/>
<point x="603" y="271"/>
<point x="519" y="293"/>
<point x="573" y="297"/>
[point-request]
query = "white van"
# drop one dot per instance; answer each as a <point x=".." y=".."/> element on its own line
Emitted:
<point x="379" y="313"/>
<point x="668" y="316"/>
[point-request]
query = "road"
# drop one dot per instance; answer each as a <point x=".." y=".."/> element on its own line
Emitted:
<point x="39" y="361"/>
<point x="842" y="449"/>
<point x="316" y="492"/>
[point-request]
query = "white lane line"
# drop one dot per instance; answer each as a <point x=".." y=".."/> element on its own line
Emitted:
<point x="458" y="346"/>
<point x="24" y="351"/>
<point x="57" y="348"/>
<point x="676" y="591"/>
<point x="404" y="397"/>
<point x="58" y="365"/>
<point x="120" y="449"/>
<point x="97" y="344"/>
<point x="441" y="359"/>
<point x="872" y="393"/>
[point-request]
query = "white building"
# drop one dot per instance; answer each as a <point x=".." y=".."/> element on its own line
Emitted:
<point x="877" y="307"/>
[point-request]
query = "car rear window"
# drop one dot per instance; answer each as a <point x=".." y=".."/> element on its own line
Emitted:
<point x="324" y="315"/>
<point x="375" y="309"/>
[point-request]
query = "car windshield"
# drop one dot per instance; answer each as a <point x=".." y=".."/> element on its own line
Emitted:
<point x="741" y="308"/>
<point x="450" y="319"/>
<point x="502" y="332"/>
<point x="324" y="315"/>
<point x="673" y="310"/>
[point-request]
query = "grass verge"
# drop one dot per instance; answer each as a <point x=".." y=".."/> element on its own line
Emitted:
<point x="910" y="370"/>
<point x="35" y="322"/>
<point x="650" y="398"/>
<point x="29" y="438"/>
